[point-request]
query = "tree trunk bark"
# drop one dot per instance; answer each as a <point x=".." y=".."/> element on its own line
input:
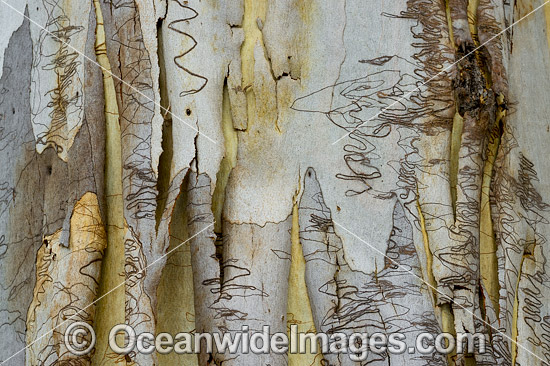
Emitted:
<point x="338" y="166"/>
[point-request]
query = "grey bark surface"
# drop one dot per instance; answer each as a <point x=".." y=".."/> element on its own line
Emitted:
<point x="400" y="146"/>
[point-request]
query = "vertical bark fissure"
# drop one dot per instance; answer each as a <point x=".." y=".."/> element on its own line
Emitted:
<point x="479" y="83"/>
<point x="164" y="169"/>
<point x="227" y="164"/>
<point x="111" y="307"/>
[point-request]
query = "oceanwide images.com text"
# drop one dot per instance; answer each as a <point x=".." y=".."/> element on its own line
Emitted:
<point x="80" y="339"/>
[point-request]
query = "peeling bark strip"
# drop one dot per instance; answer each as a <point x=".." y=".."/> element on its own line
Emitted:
<point x="66" y="284"/>
<point x="57" y="82"/>
<point x="355" y="140"/>
<point x="388" y="300"/>
<point x="49" y="193"/>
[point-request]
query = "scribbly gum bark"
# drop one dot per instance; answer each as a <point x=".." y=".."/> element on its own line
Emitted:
<point x="520" y="193"/>
<point x="58" y="296"/>
<point x="479" y="83"/>
<point x="343" y="166"/>
<point x="55" y="196"/>
<point x="476" y="104"/>
<point x="391" y="299"/>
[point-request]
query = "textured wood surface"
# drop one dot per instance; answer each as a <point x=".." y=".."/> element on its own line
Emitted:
<point x="343" y="166"/>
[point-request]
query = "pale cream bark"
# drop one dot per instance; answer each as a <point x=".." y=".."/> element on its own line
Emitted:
<point x="199" y="164"/>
